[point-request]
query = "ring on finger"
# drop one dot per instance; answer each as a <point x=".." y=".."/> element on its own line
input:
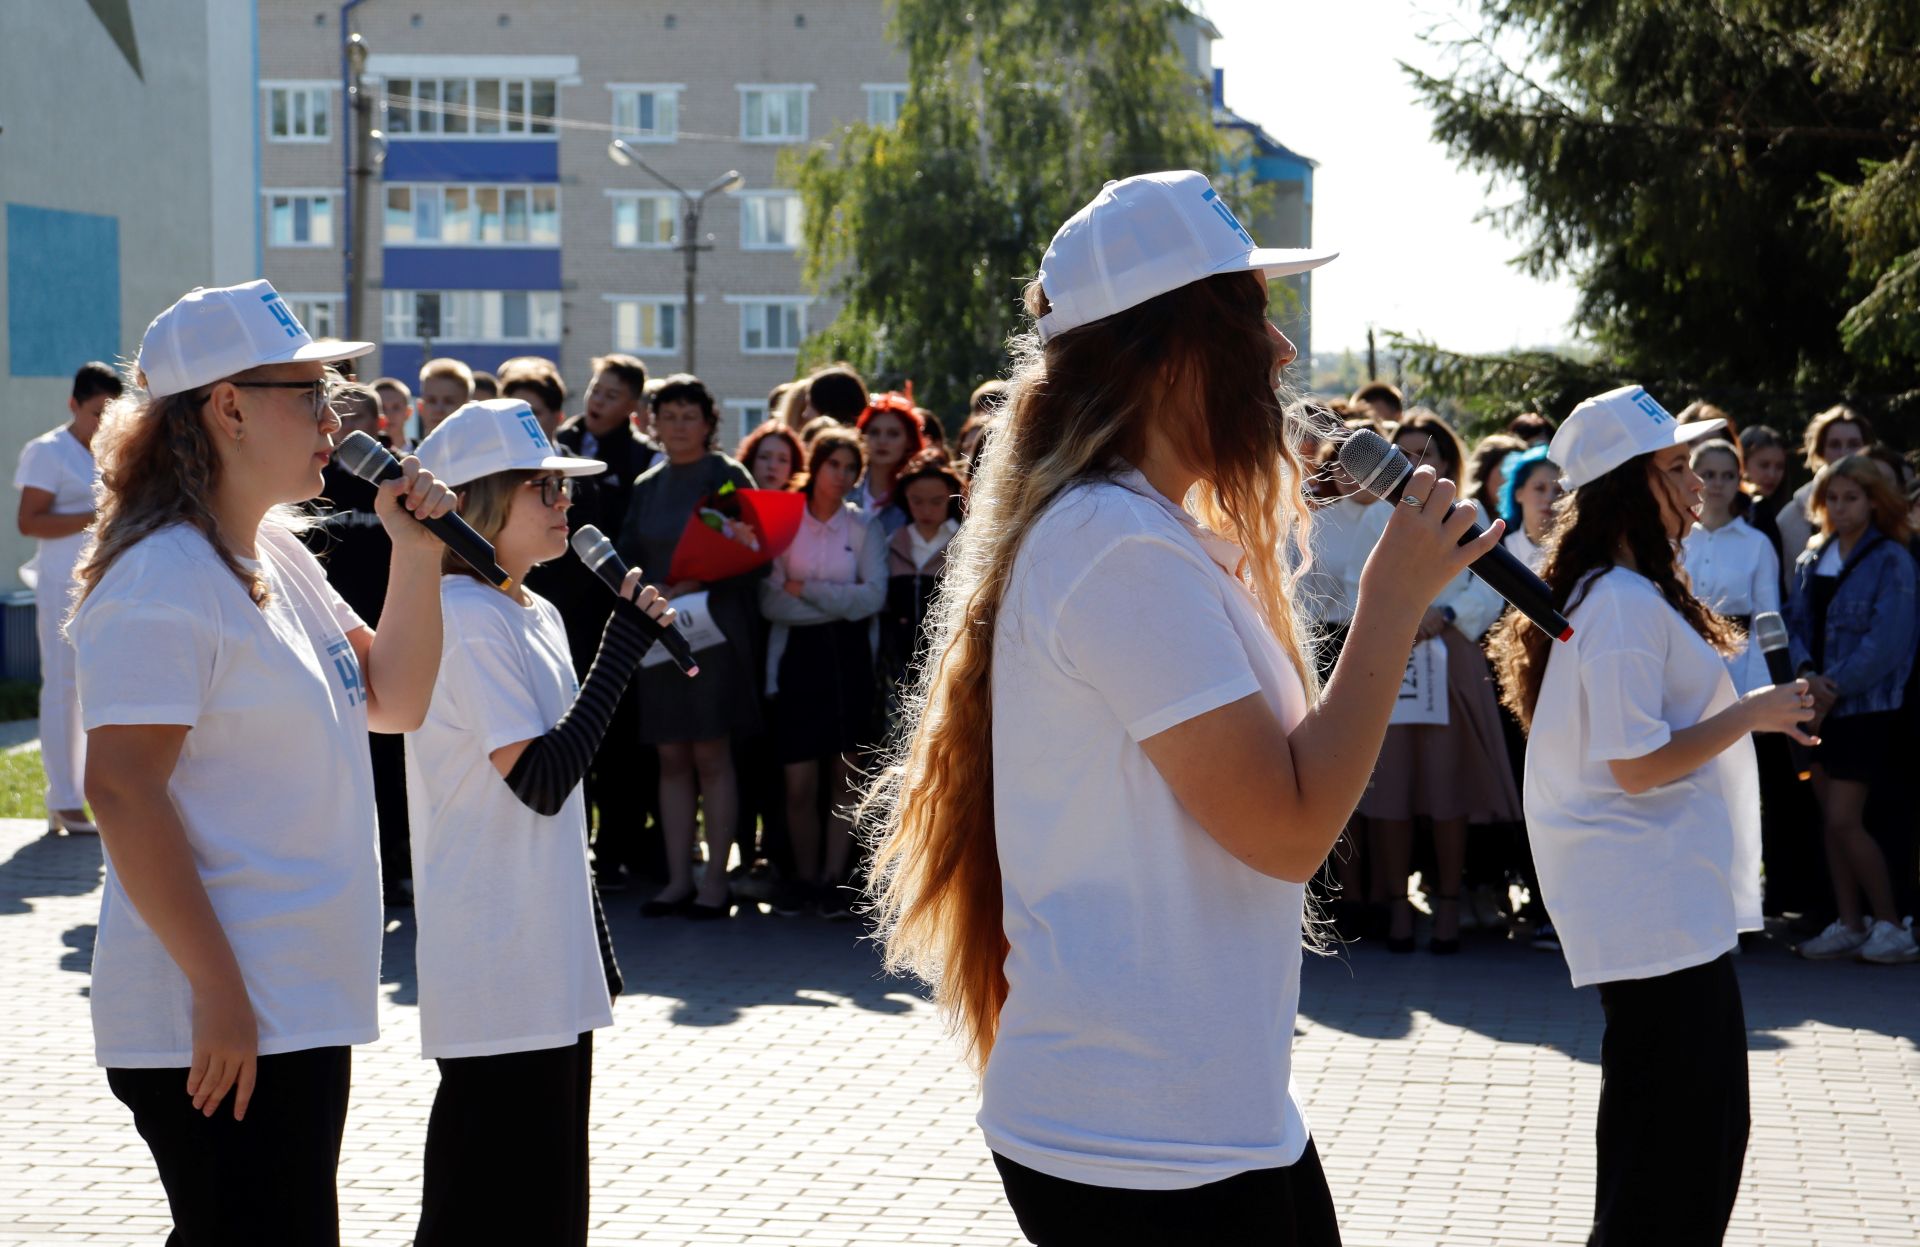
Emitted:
<point x="1411" y="501"/>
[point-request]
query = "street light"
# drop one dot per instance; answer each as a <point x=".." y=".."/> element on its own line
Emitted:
<point x="621" y="153"/>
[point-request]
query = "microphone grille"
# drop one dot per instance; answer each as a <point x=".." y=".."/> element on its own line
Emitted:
<point x="591" y="545"/>
<point x="361" y="455"/>
<point x="1769" y="631"/>
<point x="1375" y="463"/>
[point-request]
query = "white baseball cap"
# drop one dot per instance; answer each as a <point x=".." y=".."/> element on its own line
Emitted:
<point x="495" y="435"/>
<point x="1608" y="429"/>
<point x="1143" y="236"/>
<point x="213" y="333"/>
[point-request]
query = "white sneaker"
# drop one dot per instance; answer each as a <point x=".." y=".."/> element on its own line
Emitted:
<point x="1889" y="945"/>
<point x="1838" y="940"/>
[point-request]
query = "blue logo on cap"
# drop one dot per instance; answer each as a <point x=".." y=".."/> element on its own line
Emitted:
<point x="283" y="314"/>
<point x="1646" y="403"/>
<point x="1225" y="214"/>
<point x="534" y="431"/>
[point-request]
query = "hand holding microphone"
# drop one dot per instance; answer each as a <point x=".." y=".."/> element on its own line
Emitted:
<point x="1378" y="467"/>
<point x="1770" y="634"/>
<point x="430" y="503"/>
<point x="649" y="608"/>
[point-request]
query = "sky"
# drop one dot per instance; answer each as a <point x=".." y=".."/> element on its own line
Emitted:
<point x="1322" y="77"/>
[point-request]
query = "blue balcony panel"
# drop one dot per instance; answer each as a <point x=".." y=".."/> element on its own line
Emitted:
<point x="471" y="268"/>
<point x="472" y="160"/>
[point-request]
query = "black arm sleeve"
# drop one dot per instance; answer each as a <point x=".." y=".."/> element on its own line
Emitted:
<point x="551" y="765"/>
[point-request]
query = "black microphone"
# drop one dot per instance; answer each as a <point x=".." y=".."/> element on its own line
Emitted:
<point x="1378" y="467"/>
<point x="370" y="461"/>
<point x="598" y="553"/>
<point x="1770" y="634"/>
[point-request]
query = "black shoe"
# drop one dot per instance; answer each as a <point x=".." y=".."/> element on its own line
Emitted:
<point x="657" y="908"/>
<point x="694" y="911"/>
<point x="612" y="880"/>
<point x="789" y="900"/>
<point x="836" y="904"/>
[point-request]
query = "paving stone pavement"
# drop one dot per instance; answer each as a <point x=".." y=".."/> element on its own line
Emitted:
<point x="762" y="1084"/>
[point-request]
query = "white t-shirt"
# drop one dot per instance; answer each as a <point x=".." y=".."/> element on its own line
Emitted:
<point x="274" y="786"/>
<point x="507" y="953"/>
<point x="1343" y="534"/>
<point x="1522" y="547"/>
<point x="1153" y="979"/>
<point x="1638" y="886"/>
<point x="59" y="464"/>
<point x="1735" y="571"/>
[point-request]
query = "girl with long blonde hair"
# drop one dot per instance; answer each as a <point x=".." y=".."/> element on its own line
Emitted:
<point x="1112" y="784"/>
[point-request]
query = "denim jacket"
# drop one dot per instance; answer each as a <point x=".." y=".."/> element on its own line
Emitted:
<point x="1871" y="624"/>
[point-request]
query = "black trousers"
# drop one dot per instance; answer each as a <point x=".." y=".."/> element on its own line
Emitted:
<point x="389" y="753"/>
<point x="507" y="1149"/>
<point x="267" y="1178"/>
<point x="623" y="783"/>
<point x="1673" y="1108"/>
<point x="1286" y="1207"/>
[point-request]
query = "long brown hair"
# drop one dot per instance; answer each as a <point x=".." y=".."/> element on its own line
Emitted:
<point x="158" y="467"/>
<point x="1588" y="529"/>
<point x="1198" y="358"/>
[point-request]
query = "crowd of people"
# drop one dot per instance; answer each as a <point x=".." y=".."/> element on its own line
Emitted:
<point x="753" y="765"/>
<point x="1835" y="552"/>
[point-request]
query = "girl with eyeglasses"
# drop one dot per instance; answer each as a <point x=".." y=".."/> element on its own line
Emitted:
<point x="227" y="692"/>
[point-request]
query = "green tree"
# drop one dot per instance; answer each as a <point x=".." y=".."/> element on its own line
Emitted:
<point x="1017" y="111"/>
<point x="1735" y="185"/>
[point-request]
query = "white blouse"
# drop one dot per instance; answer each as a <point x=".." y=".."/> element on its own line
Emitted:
<point x="1735" y="571"/>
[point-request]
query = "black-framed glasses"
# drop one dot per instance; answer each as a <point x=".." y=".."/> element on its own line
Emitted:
<point x="319" y="393"/>
<point x="553" y="489"/>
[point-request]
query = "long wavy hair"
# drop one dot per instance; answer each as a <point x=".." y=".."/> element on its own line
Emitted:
<point x="1589" y="527"/>
<point x="1199" y="361"/>
<point x="158" y="467"/>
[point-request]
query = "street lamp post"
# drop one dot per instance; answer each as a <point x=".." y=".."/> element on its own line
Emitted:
<point x="691" y="205"/>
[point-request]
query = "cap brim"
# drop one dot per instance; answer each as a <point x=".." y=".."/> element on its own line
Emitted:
<point x="1697" y="429"/>
<point x="566" y="465"/>
<point x="1277" y="261"/>
<point x="325" y="353"/>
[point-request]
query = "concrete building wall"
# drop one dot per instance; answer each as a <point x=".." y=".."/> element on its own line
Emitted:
<point x="127" y="168"/>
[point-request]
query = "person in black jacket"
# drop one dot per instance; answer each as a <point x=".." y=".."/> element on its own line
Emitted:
<point x="353" y="546"/>
<point x="622" y="782"/>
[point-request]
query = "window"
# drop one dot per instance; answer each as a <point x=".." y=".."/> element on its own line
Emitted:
<point x="884" y="102"/>
<point x="320" y="313"/>
<point x="480" y="107"/>
<point x="646" y="114"/>
<point x="299" y="112"/>
<point x="770" y="221"/>
<point x="433" y="214"/>
<point x="646" y="324"/>
<point x="641" y="220"/>
<point x="472" y="315"/>
<point x="300" y="218"/>
<point x="771" y="326"/>
<point x="749" y="413"/>
<point x="773" y="114"/>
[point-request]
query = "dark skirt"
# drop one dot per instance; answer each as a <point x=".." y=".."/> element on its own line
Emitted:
<point x="827" y="692"/>
<point x="1857" y="748"/>
<point x="724" y="699"/>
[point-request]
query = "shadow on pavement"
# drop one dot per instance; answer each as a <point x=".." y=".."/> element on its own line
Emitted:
<point x="1516" y="994"/>
<point x="49" y="866"/>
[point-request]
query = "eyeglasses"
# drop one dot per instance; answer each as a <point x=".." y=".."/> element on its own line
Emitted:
<point x="319" y="393"/>
<point x="553" y="489"/>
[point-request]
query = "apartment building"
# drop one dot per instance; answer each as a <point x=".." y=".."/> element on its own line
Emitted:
<point x="501" y="225"/>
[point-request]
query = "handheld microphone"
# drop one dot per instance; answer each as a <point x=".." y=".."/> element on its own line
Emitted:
<point x="370" y="461"/>
<point x="1770" y="634"/>
<point x="598" y="554"/>
<point x="1379" y="468"/>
